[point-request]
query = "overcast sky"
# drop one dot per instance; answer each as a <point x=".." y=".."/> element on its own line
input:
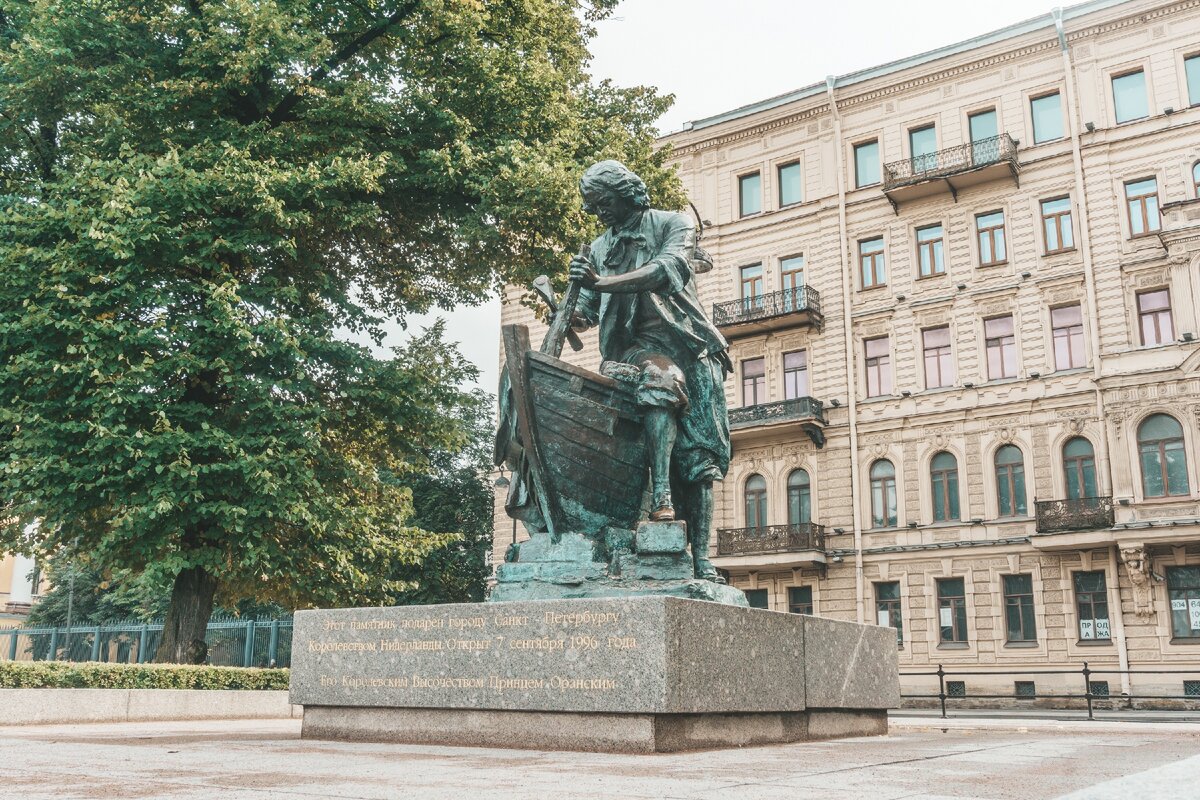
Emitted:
<point x="715" y="55"/>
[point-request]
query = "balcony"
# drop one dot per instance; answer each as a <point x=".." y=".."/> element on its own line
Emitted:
<point x="798" y="307"/>
<point x="806" y="413"/>
<point x="1084" y="514"/>
<point x="951" y="170"/>
<point x="783" y="546"/>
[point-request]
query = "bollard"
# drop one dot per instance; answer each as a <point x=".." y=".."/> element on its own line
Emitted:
<point x="941" y="673"/>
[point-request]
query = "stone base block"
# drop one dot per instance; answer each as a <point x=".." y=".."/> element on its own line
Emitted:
<point x="590" y="732"/>
<point x="690" y="589"/>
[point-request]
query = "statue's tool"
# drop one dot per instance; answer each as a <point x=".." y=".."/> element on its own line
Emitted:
<point x="542" y="286"/>
<point x="561" y="324"/>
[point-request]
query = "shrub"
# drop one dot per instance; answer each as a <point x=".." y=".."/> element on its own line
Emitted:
<point x="65" y="675"/>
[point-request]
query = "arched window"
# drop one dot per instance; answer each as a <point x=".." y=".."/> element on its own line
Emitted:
<point x="1196" y="177"/>
<point x="1079" y="468"/>
<point x="943" y="476"/>
<point x="756" y="502"/>
<point x="1010" y="481"/>
<point x="883" y="494"/>
<point x="799" y="498"/>
<point x="1164" y="463"/>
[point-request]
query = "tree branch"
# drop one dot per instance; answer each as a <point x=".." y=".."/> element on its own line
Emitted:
<point x="283" y="111"/>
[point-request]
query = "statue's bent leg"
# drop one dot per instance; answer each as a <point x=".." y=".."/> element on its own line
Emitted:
<point x="661" y="429"/>
<point x="700" y="528"/>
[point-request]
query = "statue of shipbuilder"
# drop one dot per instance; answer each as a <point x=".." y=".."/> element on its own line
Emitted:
<point x="638" y="446"/>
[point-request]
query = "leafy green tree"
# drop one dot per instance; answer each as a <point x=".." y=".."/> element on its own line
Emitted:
<point x="199" y="199"/>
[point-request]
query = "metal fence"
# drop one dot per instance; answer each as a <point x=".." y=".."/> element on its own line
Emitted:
<point x="231" y="643"/>
<point x="1093" y="691"/>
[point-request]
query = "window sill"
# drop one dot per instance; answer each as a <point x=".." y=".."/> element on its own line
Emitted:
<point x="1094" y="643"/>
<point x="1192" y="640"/>
<point x="993" y="264"/>
<point x="1021" y="645"/>
<point x="1068" y="371"/>
<point x="1052" y="253"/>
<point x="954" y="646"/>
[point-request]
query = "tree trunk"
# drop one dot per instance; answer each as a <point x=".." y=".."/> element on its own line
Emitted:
<point x="187" y="618"/>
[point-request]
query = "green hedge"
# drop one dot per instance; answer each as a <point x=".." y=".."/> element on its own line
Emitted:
<point x="65" y="675"/>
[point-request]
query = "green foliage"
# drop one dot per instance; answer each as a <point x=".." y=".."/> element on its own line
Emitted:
<point x="60" y="675"/>
<point x="201" y="199"/>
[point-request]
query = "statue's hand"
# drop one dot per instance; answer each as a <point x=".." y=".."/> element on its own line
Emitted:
<point x="583" y="272"/>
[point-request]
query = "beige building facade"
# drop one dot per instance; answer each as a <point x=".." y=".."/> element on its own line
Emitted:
<point x="20" y="585"/>
<point x="961" y="294"/>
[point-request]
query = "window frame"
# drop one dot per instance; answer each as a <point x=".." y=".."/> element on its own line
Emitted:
<point x="793" y="604"/>
<point x="935" y="248"/>
<point x="891" y="609"/>
<point x="760" y="498"/>
<point x="1006" y="476"/>
<point x="1151" y="223"/>
<point x="1057" y="218"/>
<point x="855" y="147"/>
<point x="957" y="603"/>
<point x="1093" y="598"/>
<point x="742" y="195"/>
<point x="884" y="489"/>
<point x="926" y="161"/>
<point x="1117" y="75"/>
<point x="1160" y="449"/>
<point x="943" y="382"/>
<point x="1072" y="338"/>
<point x="1158" y="316"/>
<point x="793" y="371"/>
<point x="990" y="234"/>
<point x="1075" y="470"/>
<point x="881" y="367"/>
<point x="1191" y="594"/>
<point x="802" y="494"/>
<point x="779" y="168"/>
<point x="1188" y="90"/>
<point x="1025" y="608"/>
<point x="1196" y="177"/>
<point x="757" y="381"/>
<point x="950" y="510"/>
<point x="1033" y="130"/>
<point x="1000" y="347"/>
<point x="760" y="279"/>
<point x="878" y="263"/>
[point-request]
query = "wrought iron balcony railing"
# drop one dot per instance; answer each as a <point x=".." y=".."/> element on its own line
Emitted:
<point x="798" y="408"/>
<point x="770" y="539"/>
<point x="1083" y="514"/>
<point x="951" y="161"/>
<point x="776" y="304"/>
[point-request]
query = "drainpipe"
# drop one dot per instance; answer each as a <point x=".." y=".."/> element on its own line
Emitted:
<point x="848" y="336"/>
<point x="1089" y="272"/>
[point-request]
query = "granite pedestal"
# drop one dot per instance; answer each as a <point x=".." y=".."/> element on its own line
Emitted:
<point x="638" y="674"/>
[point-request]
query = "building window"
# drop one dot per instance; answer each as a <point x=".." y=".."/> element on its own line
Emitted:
<point x="756" y="502"/>
<point x="1056" y="224"/>
<point x="754" y="381"/>
<point x="984" y="129"/>
<point x="943" y="477"/>
<point x="1046" y="112"/>
<point x="887" y="608"/>
<point x="750" y="193"/>
<point x="795" y="374"/>
<point x="1183" y="590"/>
<point x="930" y="251"/>
<point x="1191" y="68"/>
<point x="866" y="164"/>
<point x="1079" y="469"/>
<point x="1154" y="317"/>
<point x="790" y="184"/>
<point x="1091" y="600"/>
<point x="1129" y="96"/>
<point x="939" y="361"/>
<point x="993" y="249"/>
<point x="1162" y="457"/>
<point x="922" y="145"/>
<point x="757" y="598"/>
<point x="952" y="610"/>
<point x="799" y="494"/>
<point x="791" y="273"/>
<point x="879" y="366"/>
<point x="1066" y="324"/>
<point x="1018" y="608"/>
<point x="800" y="600"/>
<point x="1098" y="688"/>
<point x="752" y="286"/>
<point x="1010" y="481"/>
<point x="1196" y="178"/>
<point x="1141" y="198"/>
<point x="870" y="256"/>
<point x="883" y="494"/>
<point x="956" y="688"/>
<point x="1001" y="345"/>
<point x="1025" y="689"/>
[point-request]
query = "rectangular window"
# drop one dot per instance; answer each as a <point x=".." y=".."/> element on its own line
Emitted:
<point x="1141" y="198"/>
<point x="791" y="280"/>
<point x="1025" y="689"/>
<point x="1046" y="112"/>
<point x="790" y="184"/>
<point x="757" y="598"/>
<point x="752" y="286"/>
<point x="939" y="362"/>
<point x="866" y="164"/>
<point x="879" y="366"/>
<point x="1154" y="317"/>
<point x="931" y="250"/>
<point x="1056" y="224"/>
<point x="750" y="193"/>
<point x="887" y="608"/>
<point x="993" y="249"/>
<point x="754" y="381"/>
<point x="1191" y="68"/>
<point x="1091" y="600"/>
<point x="1129" y="96"/>
<point x="952" y="610"/>
<point x="1183" y="592"/>
<point x="1018" y="608"/>
<point x="800" y="600"/>
<point x="1001" y="347"/>
<point x="870" y="256"/>
<point x="1066" y="323"/>
<point x="795" y="374"/>
<point x="922" y="145"/>
<point x="984" y="131"/>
